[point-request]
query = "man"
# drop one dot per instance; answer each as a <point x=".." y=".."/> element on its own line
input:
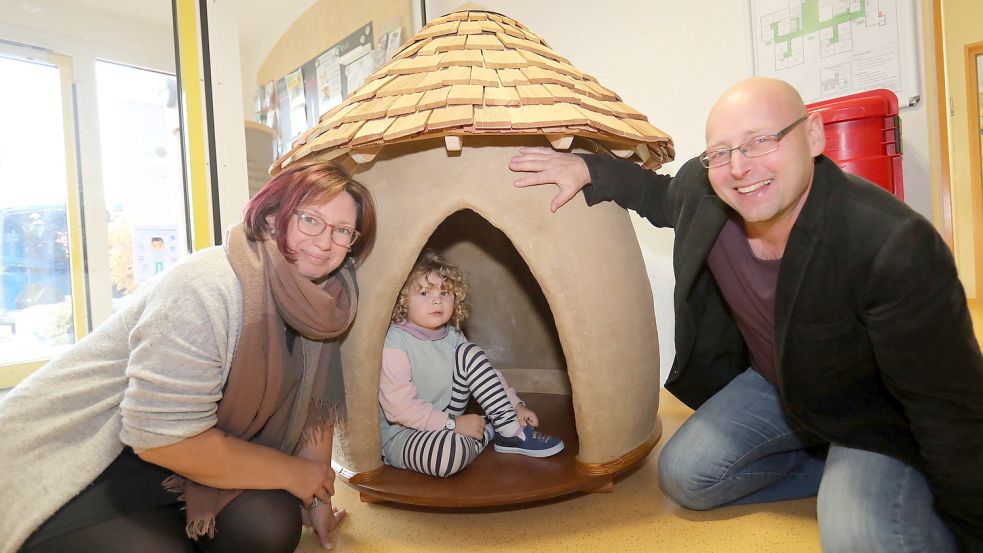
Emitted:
<point x="813" y="310"/>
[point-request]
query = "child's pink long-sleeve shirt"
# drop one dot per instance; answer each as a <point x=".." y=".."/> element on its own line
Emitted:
<point x="398" y="395"/>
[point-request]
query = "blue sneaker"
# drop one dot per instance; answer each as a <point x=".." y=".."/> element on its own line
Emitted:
<point x="535" y="444"/>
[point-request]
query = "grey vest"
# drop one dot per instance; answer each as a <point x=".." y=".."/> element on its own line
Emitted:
<point x="431" y="370"/>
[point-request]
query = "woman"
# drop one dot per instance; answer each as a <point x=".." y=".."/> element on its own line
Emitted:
<point x="215" y="390"/>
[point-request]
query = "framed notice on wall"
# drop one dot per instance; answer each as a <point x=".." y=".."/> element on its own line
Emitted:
<point x="296" y="95"/>
<point x="832" y="48"/>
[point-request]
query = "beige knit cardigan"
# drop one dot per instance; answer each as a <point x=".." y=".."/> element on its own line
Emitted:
<point x="149" y="376"/>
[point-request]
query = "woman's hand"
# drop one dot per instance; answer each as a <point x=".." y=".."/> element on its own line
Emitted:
<point x="323" y="519"/>
<point x="311" y="479"/>
<point x="527" y="417"/>
<point x="471" y="425"/>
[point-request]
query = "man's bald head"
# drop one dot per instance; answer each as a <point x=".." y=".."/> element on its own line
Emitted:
<point x="777" y="97"/>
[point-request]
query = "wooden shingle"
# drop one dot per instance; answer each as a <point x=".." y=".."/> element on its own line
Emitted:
<point x="490" y="26"/>
<point x="644" y="127"/>
<point x="611" y="124"/>
<point x="450" y="116"/>
<point x="404" y="104"/>
<point x="443" y="44"/>
<point x="596" y="105"/>
<point x="462" y="58"/>
<point x="445" y="77"/>
<point x="538" y="75"/>
<point x="495" y="59"/>
<point x="484" y="76"/>
<point x="599" y="92"/>
<point x="553" y="115"/>
<point x="534" y="94"/>
<point x="333" y="117"/>
<point x="516" y="43"/>
<point x="407" y="125"/>
<point x="434" y="98"/>
<point x="484" y="42"/>
<point x="371" y="131"/>
<point x="370" y="109"/>
<point x="622" y="109"/>
<point x="420" y="64"/>
<point x="440" y="29"/>
<point x="336" y="136"/>
<point x="403" y="84"/>
<point x="370" y="89"/>
<point x="492" y="117"/>
<point x="410" y="49"/>
<point x="465" y="94"/>
<point x="561" y="93"/>
<point x="469" y="28"/>
<point x="501" y="96"/>
<point x="512" y="77"/>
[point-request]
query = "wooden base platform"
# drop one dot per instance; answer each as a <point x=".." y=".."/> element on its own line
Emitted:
<point x="497" y="479"/>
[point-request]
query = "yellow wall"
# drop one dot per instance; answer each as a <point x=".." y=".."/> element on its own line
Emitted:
<point x="961" y="20"/>
<point x="328" y="22"/>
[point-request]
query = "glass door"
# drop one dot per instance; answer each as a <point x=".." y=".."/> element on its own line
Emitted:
<point x="142" y="177"/>
<point x="42" y="299"/>
<point x="92" y="188"/>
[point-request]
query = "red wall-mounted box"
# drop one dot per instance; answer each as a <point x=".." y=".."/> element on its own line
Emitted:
<point x="863" y="136"/>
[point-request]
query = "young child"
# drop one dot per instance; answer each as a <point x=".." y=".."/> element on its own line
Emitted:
<point x="430" y="370"/>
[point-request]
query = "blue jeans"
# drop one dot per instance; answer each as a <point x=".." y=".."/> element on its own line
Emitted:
<point x="740" y="447"/>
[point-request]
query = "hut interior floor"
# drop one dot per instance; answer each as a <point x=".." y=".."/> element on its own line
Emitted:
<point x="635" y="516"/>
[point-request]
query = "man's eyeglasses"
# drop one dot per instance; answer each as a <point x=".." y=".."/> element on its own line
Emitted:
<point x="312" y="225"/>
<point x="757" y="146"/>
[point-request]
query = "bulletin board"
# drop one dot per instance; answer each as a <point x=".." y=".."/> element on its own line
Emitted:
<point x="324" y="56"/>
<point x="832" y="48"/>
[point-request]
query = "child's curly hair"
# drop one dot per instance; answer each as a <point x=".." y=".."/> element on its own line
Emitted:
<point x="452" y="280"/>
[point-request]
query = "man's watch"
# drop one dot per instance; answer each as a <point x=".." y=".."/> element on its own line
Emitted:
<point x="451" y="424"/>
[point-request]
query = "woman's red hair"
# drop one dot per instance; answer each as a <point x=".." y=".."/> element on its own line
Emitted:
<point x="304" y="184"/>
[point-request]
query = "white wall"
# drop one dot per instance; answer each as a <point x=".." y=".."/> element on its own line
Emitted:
<point x="670" y="60"/>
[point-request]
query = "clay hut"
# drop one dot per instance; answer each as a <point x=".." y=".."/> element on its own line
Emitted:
<point x="561" y="302"/>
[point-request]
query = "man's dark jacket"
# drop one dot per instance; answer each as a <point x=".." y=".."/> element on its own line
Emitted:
<point x="874" y="346"/>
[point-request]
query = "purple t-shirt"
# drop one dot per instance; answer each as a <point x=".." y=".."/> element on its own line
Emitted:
<point x="748" y="285"/>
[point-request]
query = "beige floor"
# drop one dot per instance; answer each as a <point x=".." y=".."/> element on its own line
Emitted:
<point x="634" y="517"/>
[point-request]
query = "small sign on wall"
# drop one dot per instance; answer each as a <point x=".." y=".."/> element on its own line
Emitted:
<point x="829" y="48"/>
<point x="155" y="247"/>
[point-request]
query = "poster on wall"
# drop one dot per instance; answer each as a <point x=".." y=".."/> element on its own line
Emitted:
<point x="339" y="67"/>
<point x="387" y="46"/>
<point x="266" y="109"/>
<point x="155" y="247"/>
<point x="328" y="81"/>
<point x="832" y="48"/>
<point x="283" y="116"/>
<point x="298" y="102"/>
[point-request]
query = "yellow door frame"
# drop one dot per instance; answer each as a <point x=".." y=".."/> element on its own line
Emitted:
<point x="975" y="166"/>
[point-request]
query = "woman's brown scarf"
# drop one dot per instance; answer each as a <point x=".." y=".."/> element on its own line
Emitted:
<point x="274" y="293"/>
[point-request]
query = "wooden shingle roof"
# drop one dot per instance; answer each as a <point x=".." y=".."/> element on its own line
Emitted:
<point x="474" y="73"/>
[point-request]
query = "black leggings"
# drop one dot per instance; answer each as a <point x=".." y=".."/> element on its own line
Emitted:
<point x="257" y="521"/>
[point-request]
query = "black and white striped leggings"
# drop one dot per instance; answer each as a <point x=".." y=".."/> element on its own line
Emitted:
<point x="445" y="452"/>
